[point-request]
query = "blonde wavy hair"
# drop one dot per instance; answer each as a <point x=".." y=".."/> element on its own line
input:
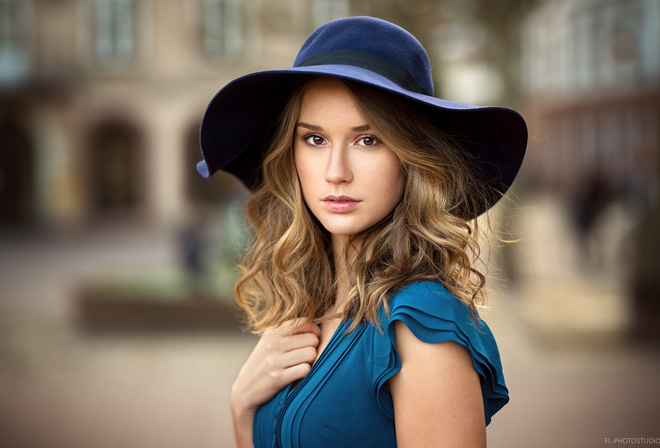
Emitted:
<point x="288" y="270"/>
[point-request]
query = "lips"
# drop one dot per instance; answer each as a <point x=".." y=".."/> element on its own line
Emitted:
<point x="339" y="204"/>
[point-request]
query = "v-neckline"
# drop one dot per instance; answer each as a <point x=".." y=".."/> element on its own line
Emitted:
<point x="327" y="344"/>
<point x="319" y="359"/>
<point x="320" y="367"/>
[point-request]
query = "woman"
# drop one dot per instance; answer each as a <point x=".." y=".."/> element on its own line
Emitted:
<point x="361" y="276"/>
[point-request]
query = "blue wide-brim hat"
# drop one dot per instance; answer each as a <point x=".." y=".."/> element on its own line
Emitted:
<point x="235" y="126"/>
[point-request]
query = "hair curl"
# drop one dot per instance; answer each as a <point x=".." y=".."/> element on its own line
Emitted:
<point x="288" y="270"/>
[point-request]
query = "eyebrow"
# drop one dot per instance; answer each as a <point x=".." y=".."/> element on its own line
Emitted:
<point x="313" y="127"/>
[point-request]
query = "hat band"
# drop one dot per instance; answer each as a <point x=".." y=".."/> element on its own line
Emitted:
<point x="383" y="67"/>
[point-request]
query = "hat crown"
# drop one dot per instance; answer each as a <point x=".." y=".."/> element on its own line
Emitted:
<point x="376" y="38"/>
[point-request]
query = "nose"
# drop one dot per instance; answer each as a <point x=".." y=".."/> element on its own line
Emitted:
<point x="338" y="169"/>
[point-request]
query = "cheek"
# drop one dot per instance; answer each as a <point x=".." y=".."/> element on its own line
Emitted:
<point x="395" y="180"/>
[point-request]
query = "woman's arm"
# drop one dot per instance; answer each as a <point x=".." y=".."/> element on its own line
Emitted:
<point x="279" y="358"/>
<point x="437" y="395"/>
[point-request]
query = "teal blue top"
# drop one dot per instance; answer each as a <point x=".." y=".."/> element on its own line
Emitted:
<point x="343" y="401"/>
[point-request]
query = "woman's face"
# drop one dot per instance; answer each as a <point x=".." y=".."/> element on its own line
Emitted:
<point x="350" y="179"/>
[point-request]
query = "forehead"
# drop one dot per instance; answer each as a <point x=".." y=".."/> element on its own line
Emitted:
<point x="328" y="99"/>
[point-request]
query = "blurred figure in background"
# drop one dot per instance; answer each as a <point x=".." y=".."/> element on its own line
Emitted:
<point x="645" y="258"/>
<point x="594" y="195"/>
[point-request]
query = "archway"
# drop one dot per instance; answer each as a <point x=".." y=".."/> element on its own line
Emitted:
<point x="116" y="168"/>
<point x="16" y="174"/>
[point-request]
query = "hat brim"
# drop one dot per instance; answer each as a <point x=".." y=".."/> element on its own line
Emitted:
<point x="235" y="125"/>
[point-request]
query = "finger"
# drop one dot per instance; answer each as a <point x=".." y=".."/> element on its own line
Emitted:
<point x="298" y="356"/>
<point x="301" y="340"/>
<point x="290" y="326"/>
<point x="308" y="327"/>
<point x="295" y="373"/>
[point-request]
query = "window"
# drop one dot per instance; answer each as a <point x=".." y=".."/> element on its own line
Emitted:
<point x="14" y="55"/>
<point x="114" y="28"/>
<point x="221" y="29"/>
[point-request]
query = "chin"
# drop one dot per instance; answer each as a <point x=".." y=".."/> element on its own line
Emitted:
<point x="343" y="230"/>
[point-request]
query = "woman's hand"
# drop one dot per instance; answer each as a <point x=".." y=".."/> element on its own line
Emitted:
<point x="283" y="355"/>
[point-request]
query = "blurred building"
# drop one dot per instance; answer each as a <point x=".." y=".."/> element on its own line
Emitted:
<point x="591" y="83"/>
<point x="592" y="100"/>
<point x="101" y="100"/>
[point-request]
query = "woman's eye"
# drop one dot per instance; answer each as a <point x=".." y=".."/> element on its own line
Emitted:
<point x="314" y="140"/>
<point x="368" y="140"/>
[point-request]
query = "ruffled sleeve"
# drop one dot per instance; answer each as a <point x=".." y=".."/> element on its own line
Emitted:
<point x="434" y="315"/>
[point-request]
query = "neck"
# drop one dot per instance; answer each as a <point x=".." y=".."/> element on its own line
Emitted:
<point x="340" y="250"/>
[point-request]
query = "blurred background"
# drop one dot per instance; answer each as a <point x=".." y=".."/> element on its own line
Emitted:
<point x="117" y="261"/>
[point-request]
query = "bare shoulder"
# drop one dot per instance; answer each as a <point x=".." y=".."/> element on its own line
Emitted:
<point x="437" y="394"/>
